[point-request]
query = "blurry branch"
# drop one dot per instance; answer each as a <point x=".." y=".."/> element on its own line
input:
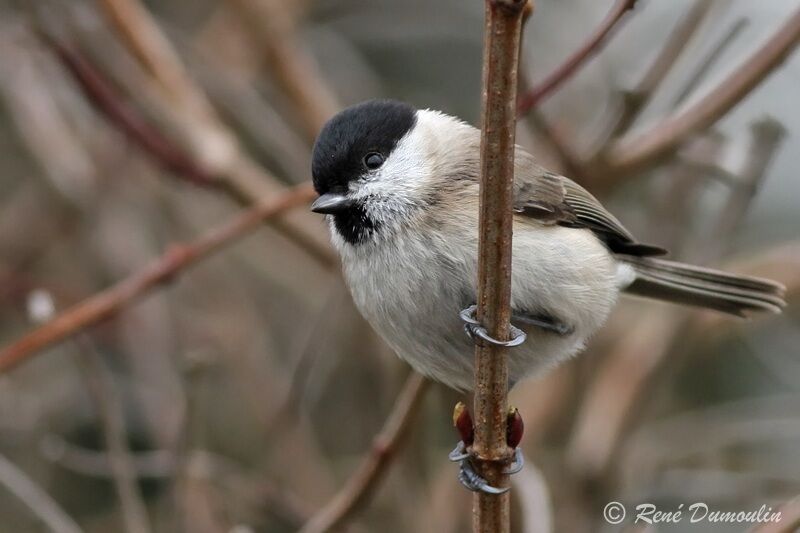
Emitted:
<point x="610" y="401"/>
<point x="789" y="522"/>
<point x="125" y="118"/>
<point x="490" y="451"/>
<point x="38" y="501"/>
<point x="272" y="27"/>
<point x="178" y="257"/>
<point x="157" y="464"/>
<point x="634" y="101"/>
<point x="766" y="136"/>
<point x="211" y="142"/>
<point x="590" y="47"/>
<point x="142" y="37"/>
<point x="536" y="508"/>
<point x="359" y="488"/>
<point x="106" y="400"/>
<point x="569" y="160"/>
<point x="163" y="464"/>
<point x="705" y="65"/>
<point x="637" y="151"/>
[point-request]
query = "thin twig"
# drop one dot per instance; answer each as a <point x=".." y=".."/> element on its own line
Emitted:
<point x="126" y="118"/>
<point x="635" y="152"/>
<point x="705" y="65"/>
<point x="163" y="269"/>
<point x="211" y="143"/>
<point x="610" y="401"/>
<point x="108" y="404"/>
<point x="571" y="65"/>
<point x="272" y="28"/>
<point x="569" y="160"/>
<point x="362" y="483"/>
<point x="634" y="101"/>
<point x="37" y="500"/>
<point x="502" y="34"/>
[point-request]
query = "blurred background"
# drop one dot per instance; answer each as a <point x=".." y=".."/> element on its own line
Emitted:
<point x="242" y="394"/>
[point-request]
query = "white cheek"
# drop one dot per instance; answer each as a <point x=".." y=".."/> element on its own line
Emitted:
<point x="401" y="180"/>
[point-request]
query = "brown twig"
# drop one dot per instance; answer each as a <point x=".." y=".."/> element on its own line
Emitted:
<point x="610" y="401"/>
<point x="110" y="301"/>
<point x="571" y="65"/>
<point x="502" y="34"/>
<point x="105" y="99"/>
<point x="210" y="142"/>
<point x="362" y="483"/>
<point x="569" y="160"/>
<point x="632" y="153"/>
<point x="634" y="101"/>
<point x="706" y="64"/>
<point x="271" y="26"/>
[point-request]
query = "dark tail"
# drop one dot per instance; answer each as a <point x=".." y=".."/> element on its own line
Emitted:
<point x="704" y="287"/>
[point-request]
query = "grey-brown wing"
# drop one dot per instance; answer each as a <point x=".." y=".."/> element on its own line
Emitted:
<point x="554" y="199"/>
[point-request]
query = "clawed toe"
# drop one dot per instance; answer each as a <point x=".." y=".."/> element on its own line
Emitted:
<point x="474" y="482"/>
<point x="478" y="333"/>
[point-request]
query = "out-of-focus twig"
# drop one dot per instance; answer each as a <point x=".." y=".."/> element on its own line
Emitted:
<point x="634" y="101"/>
<point x="362" y="483"/>
<point x="110" y="301"/>
<point x="569" y="160"/>
<point x="591" y="46"/>
<point x="272" y="27"/>
<point x="610" y="400"/>
<point x="211" y="142"/>
<point x="102" y="390"/>
<point x="501" y="46"/>
<point x="36" y="499"/>
<point x="103" y="96"/>
<point x="634" y="152"/>
<point x="705" y="65"/>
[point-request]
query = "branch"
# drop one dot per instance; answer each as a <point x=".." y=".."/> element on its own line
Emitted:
<point x="37" y="500"/>
<point x="636" y="100"/>
<point x="293" y="68"/>
<point x="355" y="493"/>
<point x="502" y="35"/>
<point x="707" y="63"/>
<point x="110" y="301"/>
<point x="99" y="383"/>
<point x="609" y="402"/>
<point x="630" y="154"/>
<point x="211" y="143"/>
<point x="100" y="93"/>
<point x="571" y="65"/>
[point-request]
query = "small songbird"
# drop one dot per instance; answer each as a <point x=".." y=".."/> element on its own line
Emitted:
<point x="399" y="187"/>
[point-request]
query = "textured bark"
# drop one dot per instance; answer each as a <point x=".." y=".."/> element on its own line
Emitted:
<point x="500" y="70"/>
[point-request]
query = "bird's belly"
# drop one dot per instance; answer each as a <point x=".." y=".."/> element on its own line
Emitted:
<point x="412" y="292"/>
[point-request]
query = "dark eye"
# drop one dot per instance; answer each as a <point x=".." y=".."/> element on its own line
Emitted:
<point x="373" y="160"/>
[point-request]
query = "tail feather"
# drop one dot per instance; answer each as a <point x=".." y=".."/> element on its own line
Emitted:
<point x="704" y="287"/>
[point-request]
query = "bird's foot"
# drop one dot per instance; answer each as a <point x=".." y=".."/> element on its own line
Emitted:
<point x="467" y="472"/>
<point x="478" y="333"/>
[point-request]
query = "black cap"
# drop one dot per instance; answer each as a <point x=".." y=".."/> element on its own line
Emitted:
<point x="374" y="126"/>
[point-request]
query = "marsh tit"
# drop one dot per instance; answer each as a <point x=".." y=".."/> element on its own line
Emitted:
<point x="399" y="188"/>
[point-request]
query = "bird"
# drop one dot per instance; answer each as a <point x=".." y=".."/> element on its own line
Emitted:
<point x="399" y="187"/>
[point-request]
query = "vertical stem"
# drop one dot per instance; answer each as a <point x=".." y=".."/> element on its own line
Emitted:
<point x="500" y="67"/>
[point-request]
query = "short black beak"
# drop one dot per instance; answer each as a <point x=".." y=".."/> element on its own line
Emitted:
<point x="330" y="204"/>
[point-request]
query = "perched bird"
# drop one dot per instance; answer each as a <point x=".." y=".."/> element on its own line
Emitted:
<point x="399" y="187"/>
